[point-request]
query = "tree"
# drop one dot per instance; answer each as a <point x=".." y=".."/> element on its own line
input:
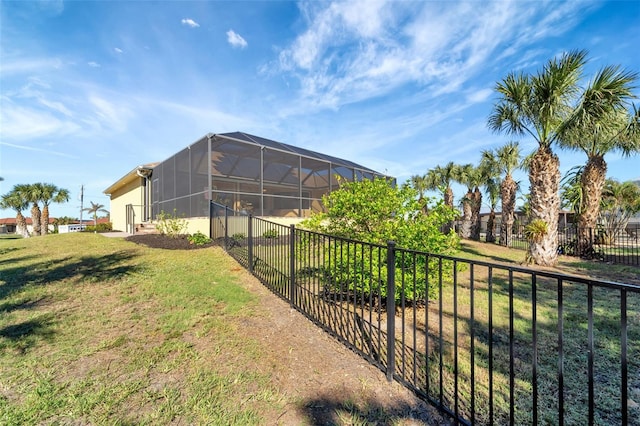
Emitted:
<point x="439" y="179"/>
<point x="507" y="160"/>
<point x="571" y="191"/>
<point x="491" y="183"/>
<point x="620" y="201"/>
<point x="51" y="194"/>
<point x="373" y="211"/>
<point x="33" y="194"/>
<point x="420" y="184"/>
<point x="471" y="177"/>
<point x="63" y="220"/>
<point x="599" y="125"/>
<point x="17" y="200"/>
<point x="539" y="105"/>
<point x="94" y="210"/>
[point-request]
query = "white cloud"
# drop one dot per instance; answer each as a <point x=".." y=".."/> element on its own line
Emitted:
<point x="34" y="149"/>
<point x="236" y="40"/>
<point x="117" y="50"/>
<point x="352" y="52"/>
<point x="109" y="115"/>
<point x="24" y="123"/>
<point x="190" y="22"/>
<point x="28" y="65"/>
<point x="93" y="64"/>
<point x="479" y="96"/>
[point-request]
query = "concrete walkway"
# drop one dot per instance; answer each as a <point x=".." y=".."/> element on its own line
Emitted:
<point x="118" y="234"/>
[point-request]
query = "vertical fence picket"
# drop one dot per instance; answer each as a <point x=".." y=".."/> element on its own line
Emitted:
<point x="624" y="380"/>
<point x="292" y="264"/>
<point x="511" y="354"/>
<point x="391" y="307"/>
<point x="534" y="357"/>
<point x="560" y="352"/>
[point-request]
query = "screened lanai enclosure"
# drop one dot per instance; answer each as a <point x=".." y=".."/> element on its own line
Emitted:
<point x="248" y="173"/>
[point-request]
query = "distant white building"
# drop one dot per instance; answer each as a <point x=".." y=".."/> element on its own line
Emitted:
<point x="75" y="227"/>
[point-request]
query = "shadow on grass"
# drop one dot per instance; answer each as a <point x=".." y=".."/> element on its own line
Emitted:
<point x="329" y="410"/>
<point x="20" y="337"/>
<point x="22" y="305"/>
<point x="471" y="250"/>
<point x="85" y="269"/>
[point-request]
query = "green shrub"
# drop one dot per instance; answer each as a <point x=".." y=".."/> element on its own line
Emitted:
<point x="198" y="239"/>
<point x="376" y="211"/>
<point x="270" y="233"/>
<point x="101" y="227"/>
<point x="238" y="236"/>
<point x="536" y="230"/>
<point x="171" y="225"/>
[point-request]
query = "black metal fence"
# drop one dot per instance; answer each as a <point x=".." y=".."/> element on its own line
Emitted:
<point x="486" y="343"/>
<point x="620" y="246"/>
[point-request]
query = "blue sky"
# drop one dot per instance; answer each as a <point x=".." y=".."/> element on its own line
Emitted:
<point x="91" y="89"/>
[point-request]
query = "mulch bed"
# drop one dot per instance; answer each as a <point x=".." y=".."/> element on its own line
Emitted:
<point x="164" y="242"/>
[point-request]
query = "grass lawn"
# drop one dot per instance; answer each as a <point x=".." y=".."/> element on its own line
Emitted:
<point x="607" y="349"/>
<point x="112" y="333"/>
<point x="95" y="330"/>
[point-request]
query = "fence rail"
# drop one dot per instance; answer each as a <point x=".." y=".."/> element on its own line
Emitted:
<point x="620" y="246"/>
<point x="485" y="343"/>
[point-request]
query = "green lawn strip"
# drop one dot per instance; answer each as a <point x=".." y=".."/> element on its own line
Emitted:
<point x="98" y="330"/>
<point x="606" y="336"/>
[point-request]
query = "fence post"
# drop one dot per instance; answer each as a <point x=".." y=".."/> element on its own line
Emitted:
<point x="226" y="228"/>
<point x="292" y="264"/>
<point x="391" y="310"/>
<point x="250" y="242"/>
<point x="211" y="213"/>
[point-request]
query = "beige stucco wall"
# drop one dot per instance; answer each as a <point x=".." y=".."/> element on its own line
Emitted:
<point x="130" y="193"/>
<point x="198" y="224"/>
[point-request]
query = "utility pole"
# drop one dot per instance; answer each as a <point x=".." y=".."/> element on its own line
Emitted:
<point x="81" y="203"/>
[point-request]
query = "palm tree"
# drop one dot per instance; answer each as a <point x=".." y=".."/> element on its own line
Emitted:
<point x="16" y="200"/>
<point x="471" y="177"/>
<point x="599" y="125"/>
<point x="492" y="188"/>
<point x="539" y="105"/>
<point x="491" y="182"/>
<point x="571" y="191"/>
<point x="507" y="160"/>
<point x="51" y="193"/>
<point x="620" y="201"/>
<point x="94" y="210"/>
<point x="33" y="194"/>
<point x="420" y="184"/>
<point x="439" y="179"/>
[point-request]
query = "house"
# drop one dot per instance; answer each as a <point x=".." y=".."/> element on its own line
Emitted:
<point x="8" y="225"/>
<point x="244" y="172"/>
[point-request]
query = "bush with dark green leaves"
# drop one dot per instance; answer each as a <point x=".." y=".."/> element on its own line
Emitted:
<point x="270" y="233"/>
<point x="198" y="239"/>
<point x="376" y="211"/>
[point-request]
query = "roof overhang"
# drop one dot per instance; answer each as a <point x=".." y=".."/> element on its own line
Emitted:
<point x="144" y="170"/>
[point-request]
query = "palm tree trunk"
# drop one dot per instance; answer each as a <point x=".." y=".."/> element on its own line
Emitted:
<point x="21" y="225"/>
<point x="35" y="219"/>
<point x="508" y="194"/>
<point x="448" y="201"/>
<point x="475" y="214"/>
<point x="544" y="179"/>
<point x="491" y="236"/>
<point x="592" y="181"/>
<point x="467" y="211"/>
<point x="44" y="222"/>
